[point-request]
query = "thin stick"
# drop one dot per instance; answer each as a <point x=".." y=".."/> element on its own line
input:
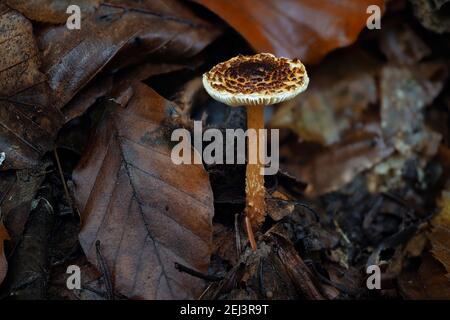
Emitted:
<point x="105" y="271"/>
<point x="63" y="180"/>
<point x="254" y="181"/>
<point x="251" y="236"/>
<point x="205" y="291"/>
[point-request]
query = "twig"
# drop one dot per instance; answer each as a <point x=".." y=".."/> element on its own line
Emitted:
<point x="196" y="274"/>
<point x="105" y="271"/>
<point x="237" y="231"/>
<point x="324" y="279"/>
<point x="63" y="180"/>
<point x="205" y="291"/>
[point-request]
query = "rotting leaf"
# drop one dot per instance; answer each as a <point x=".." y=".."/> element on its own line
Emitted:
<point x="102" y="85"/>
<point x="126" y="30"/>
<point x="3" y="263"/>
<point x="87" y="97"/>
<point x="51" y="11"/>
<point x="28" y="122"/>
<point x="17" y="190"/>
<point x="147" y="212"/>
<point x="307" y="29"/>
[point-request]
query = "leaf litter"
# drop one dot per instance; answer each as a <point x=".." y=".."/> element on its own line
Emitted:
<point x="364" y="154"/>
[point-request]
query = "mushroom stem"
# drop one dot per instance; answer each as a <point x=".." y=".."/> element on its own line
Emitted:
<point x="254" y="189"/>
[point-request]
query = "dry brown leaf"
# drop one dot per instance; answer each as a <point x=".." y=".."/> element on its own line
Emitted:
<point x="440" y="234"/>
<point x="147" y="212"/>
<point x="429" y="282"/>
<point x="96" y="89"/>
<point x="128" y="31"/>
<point x="307" y="29"/>
<point x="28" y="122"/>
<point x="51" y="11"/>
<point x="102" y="86"/>
<point x="3" y="263"/>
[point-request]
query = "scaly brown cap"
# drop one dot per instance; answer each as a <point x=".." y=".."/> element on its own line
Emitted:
<point x="261" y="79"/>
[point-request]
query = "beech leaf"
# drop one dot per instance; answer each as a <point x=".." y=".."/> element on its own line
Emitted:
<point x="147" y="212"/>
<point x="51" y="11"/>
<point x="129" y="31"/>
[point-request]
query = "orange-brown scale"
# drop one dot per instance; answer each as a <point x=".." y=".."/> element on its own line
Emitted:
<point x="257" y="74"/>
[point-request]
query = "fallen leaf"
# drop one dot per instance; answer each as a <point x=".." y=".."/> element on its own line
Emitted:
<point x="428" y="282"/>
<point x="343" y="88"/>
<point x="103" y="85"/>
<point x="17" y="190"/>
<point x="51" y="11"/>
<point x="224" y="241"/>
<point x="147" y="212"/>
<point x="87" y="97"/>
<point x="121" y="33"/>
<point x="307" y="29"/>
<point x="440" y="234"/>
<point x="92" y="283"/>
<point x="3" y="263"/>
<point x="28" y="122"/>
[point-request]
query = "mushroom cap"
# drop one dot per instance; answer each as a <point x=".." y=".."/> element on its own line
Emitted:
<point x="261" y="79"/>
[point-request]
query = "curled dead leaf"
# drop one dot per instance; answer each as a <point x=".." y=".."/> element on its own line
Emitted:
<point x="128" y="31"/>
<point x="51" y="11"/>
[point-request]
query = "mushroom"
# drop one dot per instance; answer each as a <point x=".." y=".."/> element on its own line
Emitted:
<point x="255" y="81"/>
